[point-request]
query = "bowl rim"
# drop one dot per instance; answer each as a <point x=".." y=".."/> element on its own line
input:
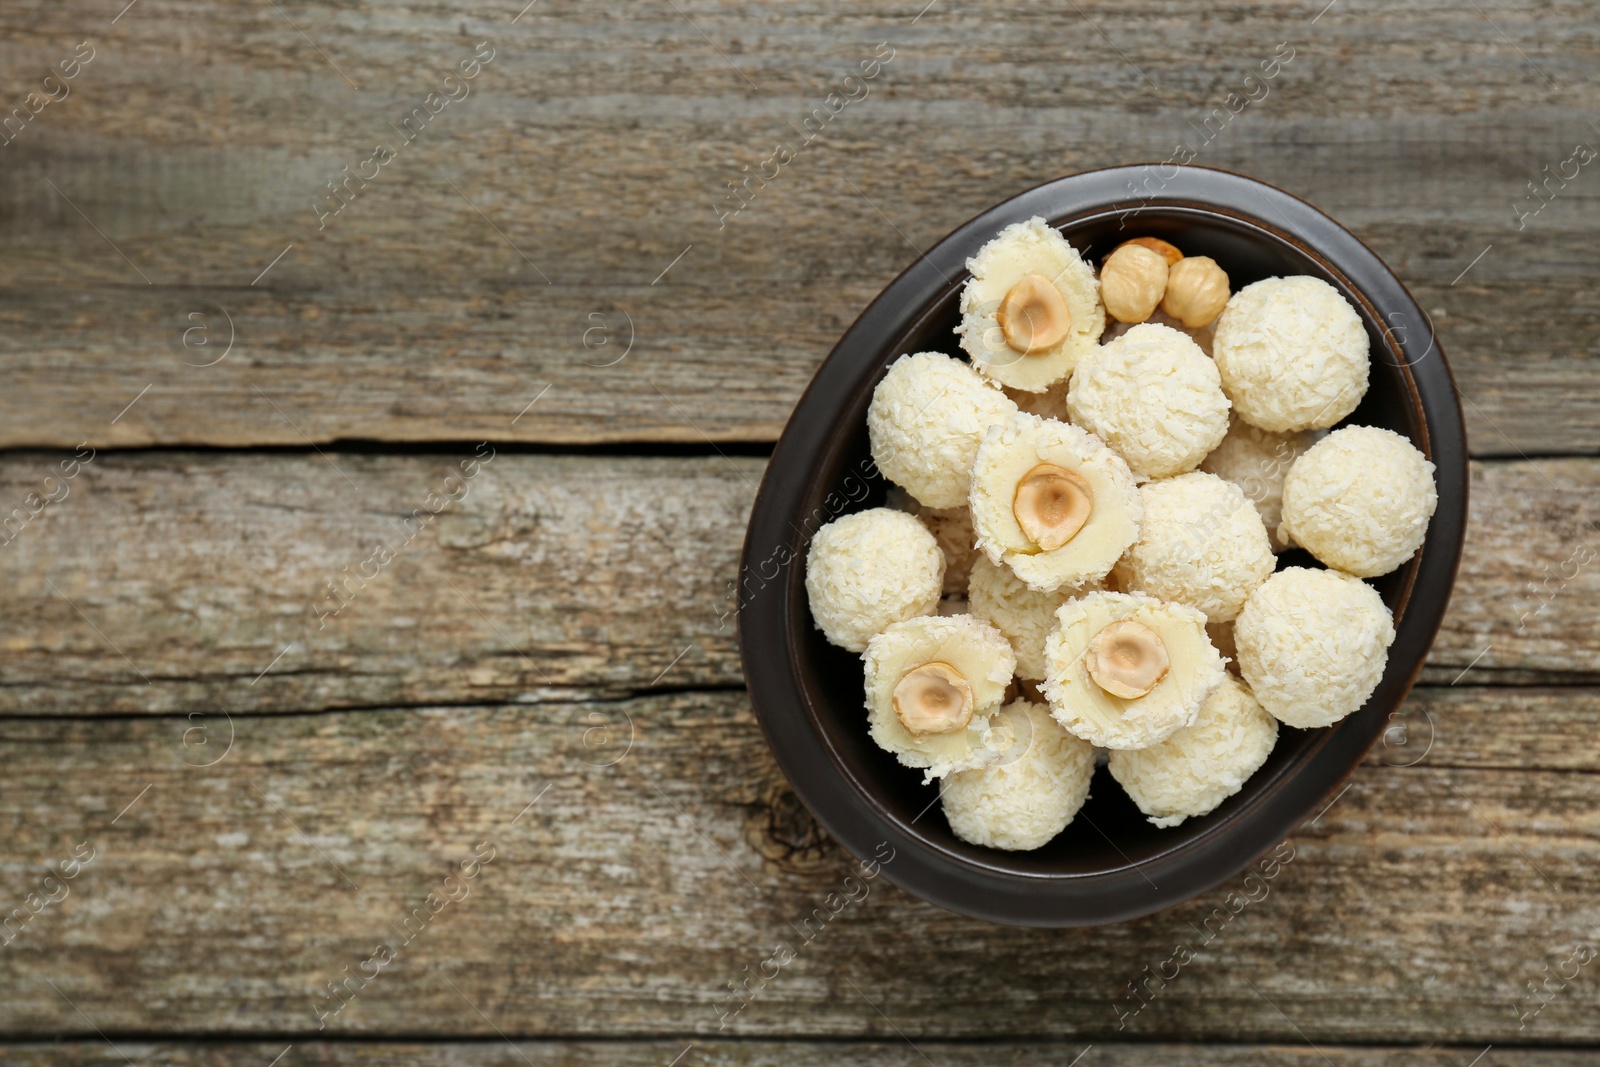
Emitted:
<point x="989" y="890"/>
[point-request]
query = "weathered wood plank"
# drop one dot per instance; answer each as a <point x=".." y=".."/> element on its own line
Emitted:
<point x="1524" y="599"/>
<point x="888" y="1051"/>
<point x="172" y="581"/>
<point x="178" y="580"/>
<point x="1500" y="728"/>
<point x="632" y="880"/>
<point x="598" y="149"/>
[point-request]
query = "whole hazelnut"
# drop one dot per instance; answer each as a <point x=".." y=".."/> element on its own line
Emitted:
<point x="1168" y="250"/>
<point x="1197" y="291"/>
<point x="1132" y="282"/>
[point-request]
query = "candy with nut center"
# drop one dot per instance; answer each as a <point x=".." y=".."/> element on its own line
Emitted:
<point x="931" y="685"/>
<point x="1052" y="502"/>
<point x="1125" y="671"/>
<point x="1034" y="316"/>
<point x="1127" y="659"/>
<point x="1030" y="309"/>
<point x="1051" y="505"/>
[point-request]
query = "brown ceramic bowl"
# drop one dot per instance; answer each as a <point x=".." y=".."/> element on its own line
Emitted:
<point x="1109" y="864"/>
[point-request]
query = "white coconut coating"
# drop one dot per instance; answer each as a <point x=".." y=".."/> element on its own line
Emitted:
<point x="1013" y="448"/>
<point x="1032" y="247"/>
<point x="1258" y="461"/>
<point x="1088" y="711"/>
<point x="870" y="569"/>
<point x="1050" y="404"/>
<point x="1313" y="644"/>
<point x="1200" y="335"/>
<point x="1031" y="792"/>
<point x="1154" y="397"/>
<point x="1200" y="543"/>
<point x="1293" y="354"/>
<point x="952" y="528"/>
<point x="1200" y="766"/>
<point x="925" y="421"/>
<point x="978" y="651"/>
<point x="1359" y="500"/>
<point x="1025" y="615"/>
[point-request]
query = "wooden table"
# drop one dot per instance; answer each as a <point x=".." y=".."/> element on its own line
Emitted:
<point x="269" y="781"/>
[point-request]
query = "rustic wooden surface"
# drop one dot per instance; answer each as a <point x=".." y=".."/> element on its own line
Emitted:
<point x="663" y="854"/>
<point x="888" y="1052"/>
<point x="597" y="142"/>
<point x="549" y="667"/>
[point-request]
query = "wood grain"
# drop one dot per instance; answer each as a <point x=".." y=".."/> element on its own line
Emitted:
<point x="176" y="581"/>
<point x="1523" y="600"/>
<point x="1459" y="726"/>
<point x="519" y="242"/>
<point x="549" y="665"/>
<point x="172" y="581"/>
<point x="637" y="870"/>
<point x="887" y="1051"/>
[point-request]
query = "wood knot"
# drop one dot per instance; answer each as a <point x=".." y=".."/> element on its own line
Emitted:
<point x="784" y="832"/>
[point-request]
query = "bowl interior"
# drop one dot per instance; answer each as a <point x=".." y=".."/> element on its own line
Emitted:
<point x="1109" y="833"/>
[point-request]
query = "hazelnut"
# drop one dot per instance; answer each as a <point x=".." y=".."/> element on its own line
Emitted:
<point x="1197" y="291"/>
<point x="1168" y="252"/>
<point x="1127" y="659"/>
<point x="1033" y="316"/>
<point x="1051" y="505"/>
<point x="933" y="699"/>
<point x="1132" y="282"/>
